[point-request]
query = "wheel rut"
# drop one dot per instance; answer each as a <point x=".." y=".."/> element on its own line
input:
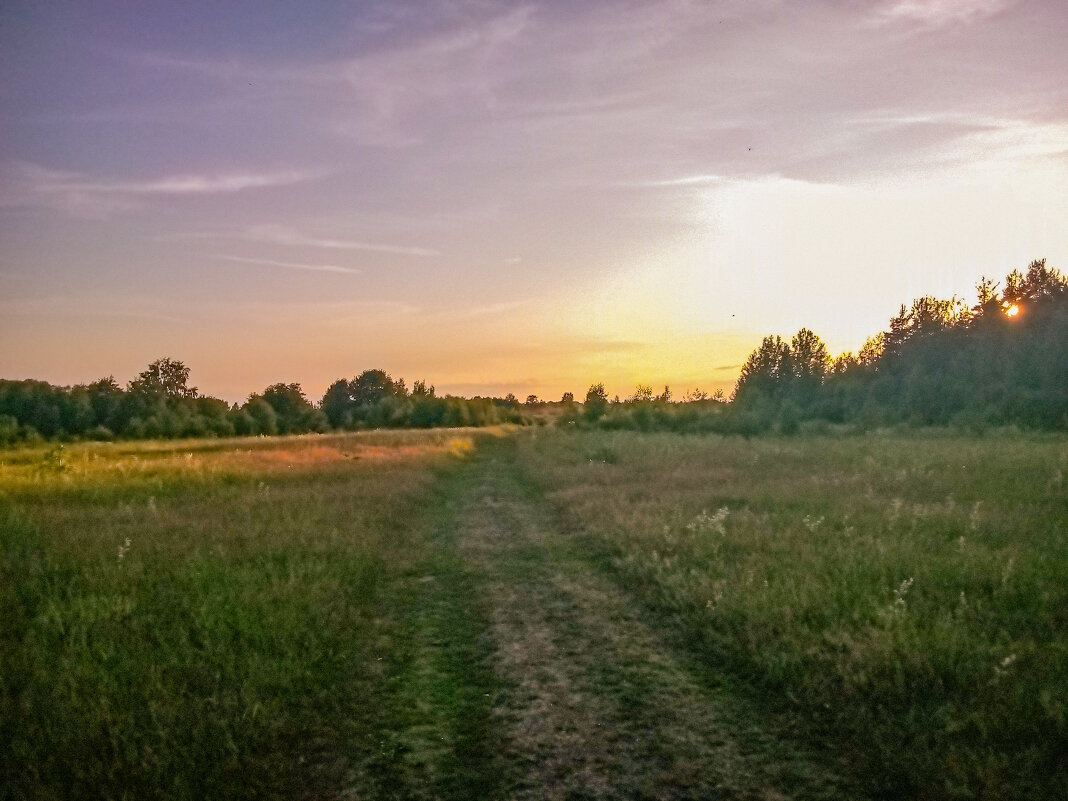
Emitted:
<point x="594" y="704"/>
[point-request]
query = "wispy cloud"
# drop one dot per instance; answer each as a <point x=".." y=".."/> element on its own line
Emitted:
<point x="290" y="265"/>
<point x="686" y="180"/>
<point x="376" y="93"/>
<point x="198" y="184"/>
<point x="27" y="184"/>
<point x="935" y="13"/>
<point x="285" y="236"/>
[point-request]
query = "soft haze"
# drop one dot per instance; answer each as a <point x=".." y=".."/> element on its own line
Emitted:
<point x="505" y="197"/>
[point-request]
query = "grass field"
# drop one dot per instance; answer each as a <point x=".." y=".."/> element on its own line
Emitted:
<point x="535" y="614"/>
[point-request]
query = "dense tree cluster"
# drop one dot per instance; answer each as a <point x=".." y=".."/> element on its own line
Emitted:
<point x="1001" y="361"/>
<point x="160" y="403"/>
<point x="372" y="399"/>
<point x="940" y="362"/>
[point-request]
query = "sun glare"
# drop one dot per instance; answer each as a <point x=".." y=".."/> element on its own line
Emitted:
<point x="1012" y="310"/>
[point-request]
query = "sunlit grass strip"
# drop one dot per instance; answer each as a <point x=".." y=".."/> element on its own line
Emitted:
<point x="198" y="623"/>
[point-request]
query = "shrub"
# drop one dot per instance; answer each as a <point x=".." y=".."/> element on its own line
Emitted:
<point x="100" y="433"/>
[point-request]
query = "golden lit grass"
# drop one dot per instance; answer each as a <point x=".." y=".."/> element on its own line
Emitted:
<point x="207" y="619"/>
<point x="82" y="465"/>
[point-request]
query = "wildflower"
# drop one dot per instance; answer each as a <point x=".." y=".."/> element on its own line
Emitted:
<point x="901" y="592"/>
<point x="123" y="549"/>
<point x="715" y="523"/>
<point x="1001" y="668"/>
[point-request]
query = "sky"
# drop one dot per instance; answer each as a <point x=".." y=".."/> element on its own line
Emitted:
<point x="509" y="197"/>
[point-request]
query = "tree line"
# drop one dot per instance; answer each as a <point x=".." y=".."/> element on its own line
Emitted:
<point x="1001" y="361"/>
<point x="160" y="403"/>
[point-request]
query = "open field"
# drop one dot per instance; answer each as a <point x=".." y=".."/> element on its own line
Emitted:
<point x="535" y="614"/>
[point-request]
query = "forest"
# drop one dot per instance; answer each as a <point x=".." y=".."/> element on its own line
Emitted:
<point x="159" y="403"/>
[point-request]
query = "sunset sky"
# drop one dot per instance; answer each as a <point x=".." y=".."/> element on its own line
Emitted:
<point x="504" y="197"/>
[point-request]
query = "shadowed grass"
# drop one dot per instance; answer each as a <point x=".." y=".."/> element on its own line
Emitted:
<point x="903" y="595"/>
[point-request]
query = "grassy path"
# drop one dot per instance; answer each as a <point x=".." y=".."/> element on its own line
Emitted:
<point x="531" y="675"/>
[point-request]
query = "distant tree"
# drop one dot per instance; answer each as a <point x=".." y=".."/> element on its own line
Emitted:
<point x="337" y="403"/>
<point x="531" y="400"/>
<point x="421" y="390"/>
<point x="808" y="356"/>
<point x="642" y="393"/>
<point x="106" y="397"/>
<point x="371" y="386"/>
<point x="696" y="395"/>
<point x="596" y="402"/>
<point x="665" y="396"/>
<point x="1039" y="283"/>
<point x="987" y="297"/>
<point x="808" y="365"/>
<point x="927" y="315"/>
<point x="843" y="363"/>
<point x="511" y="400"/>
<point x="294" y="413"/>
<point x="166" y="378"/>
<point x="567" y="397"/>
<point x="262" y="414"/>
<point x="765" y="370"/>
<point x="872" y="350"/>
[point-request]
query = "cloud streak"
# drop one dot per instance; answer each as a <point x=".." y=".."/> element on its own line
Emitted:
<point x="278" y="235"/>
<point x="28" y="184"/>
<point x="290" y="265"/>
<point x="936" y="13"/>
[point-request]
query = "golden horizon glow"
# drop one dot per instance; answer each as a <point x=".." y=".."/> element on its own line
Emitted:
<point x="496" y="199"/>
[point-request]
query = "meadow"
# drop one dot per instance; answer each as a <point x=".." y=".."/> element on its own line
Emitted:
<point x="539" y="613"/>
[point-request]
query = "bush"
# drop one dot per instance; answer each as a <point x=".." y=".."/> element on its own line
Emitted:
<point x="789" y="421"/>
<point x="9" y="429"/>
<point x="100" y="433"/>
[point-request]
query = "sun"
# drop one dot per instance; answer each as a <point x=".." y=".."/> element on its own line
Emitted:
<point x="1012" y="311"/>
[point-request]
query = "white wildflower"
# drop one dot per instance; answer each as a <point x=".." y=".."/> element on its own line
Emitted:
<point x="901" y="592"/>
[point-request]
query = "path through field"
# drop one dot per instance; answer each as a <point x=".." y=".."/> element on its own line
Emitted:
<point x="533" y="675"/>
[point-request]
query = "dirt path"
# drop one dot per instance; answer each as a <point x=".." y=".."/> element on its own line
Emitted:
<point x="593" y="703"/>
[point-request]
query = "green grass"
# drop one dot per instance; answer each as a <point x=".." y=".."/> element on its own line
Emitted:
<point x="903" y="596"/>
<point x="208" y="619"/>
<point x="538" y="614"/>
